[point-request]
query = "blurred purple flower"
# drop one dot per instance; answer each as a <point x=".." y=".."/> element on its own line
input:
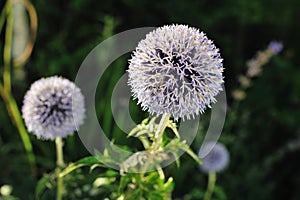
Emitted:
<point x="275" y="46"/>
<point x="215" y="157"/>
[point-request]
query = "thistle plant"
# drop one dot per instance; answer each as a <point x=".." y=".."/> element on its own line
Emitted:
<point x="215" y="158"/>
<point x="176" y="70"/>
<point x="48" y="111"/>
<point x="49" y="108"/>
<point x="175" y="73"/>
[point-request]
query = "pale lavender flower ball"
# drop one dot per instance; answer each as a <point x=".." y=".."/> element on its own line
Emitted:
<point x="214" y="157"/>
<point x="176" y="70"/>
<point x="53" y="107"/>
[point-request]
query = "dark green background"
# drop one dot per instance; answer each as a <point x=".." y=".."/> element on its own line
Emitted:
<point x="257" y="130"/>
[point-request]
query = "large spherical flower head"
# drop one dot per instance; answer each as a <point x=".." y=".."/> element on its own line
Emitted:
<point x="53" y="107"/>
<point x="176" y="70"/>
<point x="214" y="156"/>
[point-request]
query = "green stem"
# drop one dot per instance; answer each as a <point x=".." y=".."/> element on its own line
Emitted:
<point x="16" y="117"/>
<point x="3" y="16"/>
<point x="7" y="47"/>
<point x="211" y="185"/>
<point x="5" y="89"/>
<point x="60" y="164"/>
<point x="158" y="137"/>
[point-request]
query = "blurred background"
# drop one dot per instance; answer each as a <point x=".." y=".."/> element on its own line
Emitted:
<point x="262" y="129"/>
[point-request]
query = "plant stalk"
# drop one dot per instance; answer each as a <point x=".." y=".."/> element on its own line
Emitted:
<point x="158" y="137"/>
<point x="60" y="164"/>
<point x="17" y="120"/>
<point x="211" y="185"/>
<point x="7" y="47"/>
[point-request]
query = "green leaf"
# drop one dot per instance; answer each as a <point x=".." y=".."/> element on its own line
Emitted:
<point x="94" y="166"/>
<point x="145" y="121"/>
<point x="41" y="186"/>
<point x="174" y="146"/>
<point x="123" y="183"/>
<point x="219" y="192"/>
<point x="187" y="149"/>
<point x="87" y="161"/>
<point x="173" y="126"/>
<point x="46" y="182"/>
<point x="136" y="194"/>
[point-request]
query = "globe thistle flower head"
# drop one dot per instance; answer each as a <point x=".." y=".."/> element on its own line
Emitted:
<point x="214" y="156"/>
<point x="176" y="69"/>
<point x="53" y="107"/>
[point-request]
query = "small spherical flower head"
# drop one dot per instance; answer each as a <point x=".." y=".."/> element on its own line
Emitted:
<point x="176" y="70"/>
<point x="214" y="156"/>
<point x="53" y="107"/>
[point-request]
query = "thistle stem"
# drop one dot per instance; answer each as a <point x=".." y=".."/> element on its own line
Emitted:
<point x="158" y="137"/>
<point x="60" y="164"/>
<point x="211" y="185"/>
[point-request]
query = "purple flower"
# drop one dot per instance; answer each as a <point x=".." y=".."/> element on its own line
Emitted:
<point x="275" y="46"/>
<point x="176" y="70"/>
<point x="215" y="157"/>
<point x="49" y="107"/>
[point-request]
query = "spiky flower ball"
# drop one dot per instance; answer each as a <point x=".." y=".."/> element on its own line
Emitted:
<point x="214" y="157"/>
<point x="53" y="107"/>
<point x="176" y="70"/>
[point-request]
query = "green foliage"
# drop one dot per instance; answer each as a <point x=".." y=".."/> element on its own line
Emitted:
<point x="106" y="184"/>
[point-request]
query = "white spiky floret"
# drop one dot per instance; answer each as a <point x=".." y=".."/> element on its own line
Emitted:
<point x="214" y="156"/>
<point x="176" y="69"/>
<point x="53" y="107"/>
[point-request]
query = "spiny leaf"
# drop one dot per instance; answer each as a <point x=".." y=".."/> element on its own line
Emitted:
<point x="145" y="121"/>
<point x="172" y="126"/>
<point x="187" y="149"/>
